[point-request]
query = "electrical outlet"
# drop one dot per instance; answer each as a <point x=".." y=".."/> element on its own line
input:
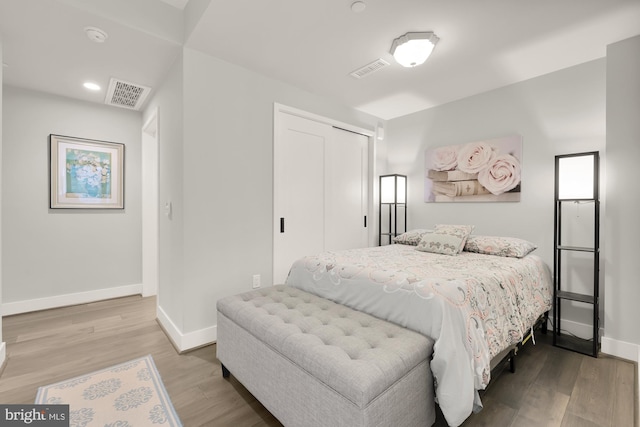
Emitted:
<point x="256" y="281"/>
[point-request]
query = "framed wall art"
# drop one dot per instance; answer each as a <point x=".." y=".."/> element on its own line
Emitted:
<point x="85" y="174"/>
<point x="480" y="171"/>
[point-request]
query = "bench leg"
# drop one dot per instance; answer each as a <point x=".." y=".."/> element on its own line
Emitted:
<point x="512" y="362"/>
<point x="225" y="371"/>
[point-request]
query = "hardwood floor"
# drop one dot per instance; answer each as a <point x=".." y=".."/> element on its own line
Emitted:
<point x="556" y="387"/>
<point x="551" y="387"/>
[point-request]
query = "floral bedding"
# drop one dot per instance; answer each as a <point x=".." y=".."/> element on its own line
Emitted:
<point x="473" y="305"/>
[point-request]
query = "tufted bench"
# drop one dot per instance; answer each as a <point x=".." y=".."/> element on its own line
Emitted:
<point x="312" y="362"/>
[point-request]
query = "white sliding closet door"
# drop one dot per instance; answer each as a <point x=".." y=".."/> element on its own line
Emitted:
<point x="346" y="172"/>
<point x="298" y="191"/>
<point x="320" y="190"/>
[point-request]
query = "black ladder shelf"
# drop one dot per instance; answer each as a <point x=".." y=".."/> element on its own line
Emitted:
<point x="392" y="197"/>
<point x="563" y="294"/>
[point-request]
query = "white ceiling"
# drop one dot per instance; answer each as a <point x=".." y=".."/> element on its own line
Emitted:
<point x="311" y="44"/>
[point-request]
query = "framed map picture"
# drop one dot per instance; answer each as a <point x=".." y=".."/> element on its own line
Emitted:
<point x="480" y="171"/>
<point x="85" y="174"/>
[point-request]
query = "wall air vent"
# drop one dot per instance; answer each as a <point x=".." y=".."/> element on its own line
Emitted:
<point x="369" y="68"/>
<point x="126" y="94"/>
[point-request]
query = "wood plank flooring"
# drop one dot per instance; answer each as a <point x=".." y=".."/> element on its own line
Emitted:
<point x="551" y="387"/>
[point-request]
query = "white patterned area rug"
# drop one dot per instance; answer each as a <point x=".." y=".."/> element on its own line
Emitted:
<point x="126" y="395"/>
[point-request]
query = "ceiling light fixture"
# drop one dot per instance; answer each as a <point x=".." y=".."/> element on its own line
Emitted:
<point x="413" y="49"/>
<point x="96" y="34"/>
<point x="91" y="86"/>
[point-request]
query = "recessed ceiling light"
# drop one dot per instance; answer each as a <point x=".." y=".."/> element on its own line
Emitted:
<point x="91" y="86"/>
<point x="96" y="34"/>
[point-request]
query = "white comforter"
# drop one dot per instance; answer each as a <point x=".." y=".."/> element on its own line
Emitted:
<point x="472" y="305"/>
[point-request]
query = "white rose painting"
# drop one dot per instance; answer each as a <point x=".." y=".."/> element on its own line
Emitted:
<point x="481" y="171"/>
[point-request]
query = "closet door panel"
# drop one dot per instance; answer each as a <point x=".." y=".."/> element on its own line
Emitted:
<point x="298" y="191"/>
<point x="346" y="169"/>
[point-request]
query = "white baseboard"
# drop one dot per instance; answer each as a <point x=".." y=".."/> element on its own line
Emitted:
<point x="189" y="341"/>
<point x="580" y="330"/>
<point x="17" y="307"/>
<point x="620" y="349"/>
<point x="616" y="348"/>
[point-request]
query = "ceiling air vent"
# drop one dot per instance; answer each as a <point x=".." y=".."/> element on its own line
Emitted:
<point x="126" y="94"/>
<point x="369" y="68"/>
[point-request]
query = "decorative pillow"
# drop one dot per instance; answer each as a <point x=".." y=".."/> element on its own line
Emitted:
<point x="411" y="237"/>
<point x="501" y="246"/>
<point x="445" y="239"/>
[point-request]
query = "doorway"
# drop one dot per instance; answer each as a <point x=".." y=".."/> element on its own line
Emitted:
<point x="150" y="206"/>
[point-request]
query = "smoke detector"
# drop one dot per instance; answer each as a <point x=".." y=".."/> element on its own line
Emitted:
<point x="96" y="34"/>
<point x="126" y="94"/>
<point x="358" y="6"/>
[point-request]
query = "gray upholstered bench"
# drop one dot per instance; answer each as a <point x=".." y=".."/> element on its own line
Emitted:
<point x="312" y="362"/>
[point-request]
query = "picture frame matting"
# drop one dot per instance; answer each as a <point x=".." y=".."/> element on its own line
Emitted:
<point x="85" y="173"/>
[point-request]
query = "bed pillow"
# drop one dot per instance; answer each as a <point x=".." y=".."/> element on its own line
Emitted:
<point x="411" y="237"/>
<point x="445" y="239"/>
<point x="501" y="246"/>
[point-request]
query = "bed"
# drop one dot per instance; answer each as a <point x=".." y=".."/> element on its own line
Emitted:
<point x="474" y="305"/>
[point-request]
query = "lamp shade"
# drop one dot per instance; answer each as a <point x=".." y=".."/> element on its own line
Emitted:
<point x="393" y="189"/>
<point x="575" y="176"/>
<point x="412" y="49"/>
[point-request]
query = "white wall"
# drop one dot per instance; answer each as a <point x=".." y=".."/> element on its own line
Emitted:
<point x="224" y="171"/>
<point x="593" y="106"/>
<point x="3" y="347"/>
<point x="167" y="99"/>
<point x="558" y="113"/>
<point x="56" y="257"/>
<point x="622" y="230"/>
<point x="228" y="191"/>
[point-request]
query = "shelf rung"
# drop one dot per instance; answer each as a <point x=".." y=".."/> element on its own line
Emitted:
<point x="573" y="296"/>
<point x="577" y="200"/>
<point x="577" y="248"/>
<point x="577" y="344"/>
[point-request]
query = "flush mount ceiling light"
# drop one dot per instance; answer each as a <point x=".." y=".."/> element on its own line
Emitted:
<point x="413" y="49"/>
